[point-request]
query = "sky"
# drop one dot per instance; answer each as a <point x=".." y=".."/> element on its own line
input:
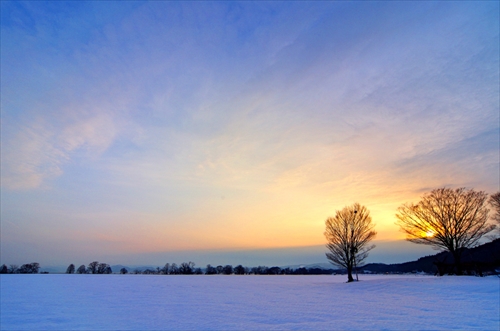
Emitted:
<point x="140" y="131"/>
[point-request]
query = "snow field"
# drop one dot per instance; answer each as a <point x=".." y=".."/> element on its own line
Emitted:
<point x="147" y="302"/>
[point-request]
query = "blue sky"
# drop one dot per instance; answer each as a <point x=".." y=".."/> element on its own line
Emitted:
<point x="161" y="127"/>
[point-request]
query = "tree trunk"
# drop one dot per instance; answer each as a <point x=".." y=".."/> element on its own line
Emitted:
<point x="349" y="275"/>
<point x="458" y="265"/>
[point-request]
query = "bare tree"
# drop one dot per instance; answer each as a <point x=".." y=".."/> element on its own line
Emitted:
<point x="93" y="267"/>
<point x="495" y="203"/>
<point x="446" y="219"/>
<point x="81" y="269"/>
<point x="227" y="270"/>
<point x="13" y="269"/>
<point x="165" y="270"/>
<point x="103" y="268"/>
<point x="348" y="235"/>
<point x="239" y="270"/>
<point x="174" y="269"/>
<point x="35" y="267"/>
<point x="24" y="269"/>
<point x="29" y="268"/>
<point x="186" y="268"/>
<point x="70" y="269"/>
<point x="210" y="270"/>
<point x="260" y="270"/>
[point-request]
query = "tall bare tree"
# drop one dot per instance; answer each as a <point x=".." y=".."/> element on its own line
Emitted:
<point x="348" y="235"/>
<point x="495" y="203"/>
<point x="446" y="219"/>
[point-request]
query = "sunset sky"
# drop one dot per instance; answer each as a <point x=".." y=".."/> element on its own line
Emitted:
<point x="152" y="129"/>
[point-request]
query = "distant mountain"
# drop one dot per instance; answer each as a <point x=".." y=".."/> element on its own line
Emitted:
<point x="117" y="267"/>
<point x="54" y="269"/>
<point x="483" y="258"/>
<point x="324" y="266"/>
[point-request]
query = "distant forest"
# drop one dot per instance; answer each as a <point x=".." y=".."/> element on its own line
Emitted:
<point x="479" y="261"/>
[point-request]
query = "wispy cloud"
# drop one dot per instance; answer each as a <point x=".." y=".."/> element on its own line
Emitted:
<point x="37" y="153"/>
<point x="30" y="159"/>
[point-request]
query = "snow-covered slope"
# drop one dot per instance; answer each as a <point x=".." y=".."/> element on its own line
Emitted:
<point x="139" y="302"/>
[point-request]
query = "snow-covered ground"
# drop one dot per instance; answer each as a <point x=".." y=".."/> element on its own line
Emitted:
<point x="141" y="302"/>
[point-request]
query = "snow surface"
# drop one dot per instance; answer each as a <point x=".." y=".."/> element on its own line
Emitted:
<point x="147" y="302"/>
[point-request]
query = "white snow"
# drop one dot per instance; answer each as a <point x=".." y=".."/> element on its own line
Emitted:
<point x="142" y="302"/>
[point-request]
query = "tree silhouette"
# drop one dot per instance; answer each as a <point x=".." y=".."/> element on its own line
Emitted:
<point x="239" y="270"/>
<point x="495" y="203"/>
<point x="174" y="269"/>
<point x="29" y="268"/>
<point x="348" y="234"/>
<point x="186" y="268"/>
<point x="446" y="219"/>
<point x="227" y="270"/>
<point x="165" y="270"/>
<point x="260" y="270"/>
<point x="103" y="268"/>
<point x="81" y="269"/>
<point x="70" y="269"/>
<point x="93" y="267"/>
<point x="210" y="270"/>
<point x="274" y="271"/>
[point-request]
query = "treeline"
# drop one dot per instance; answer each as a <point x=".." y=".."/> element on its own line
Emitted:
<point x="188" y="268"/>
<point x="29" y="268"/>
<point x="93" y="268"/>
<point x="185" y="268"/>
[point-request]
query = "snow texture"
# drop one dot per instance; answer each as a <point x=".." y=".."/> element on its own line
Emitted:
<point x="141" y="302"/>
